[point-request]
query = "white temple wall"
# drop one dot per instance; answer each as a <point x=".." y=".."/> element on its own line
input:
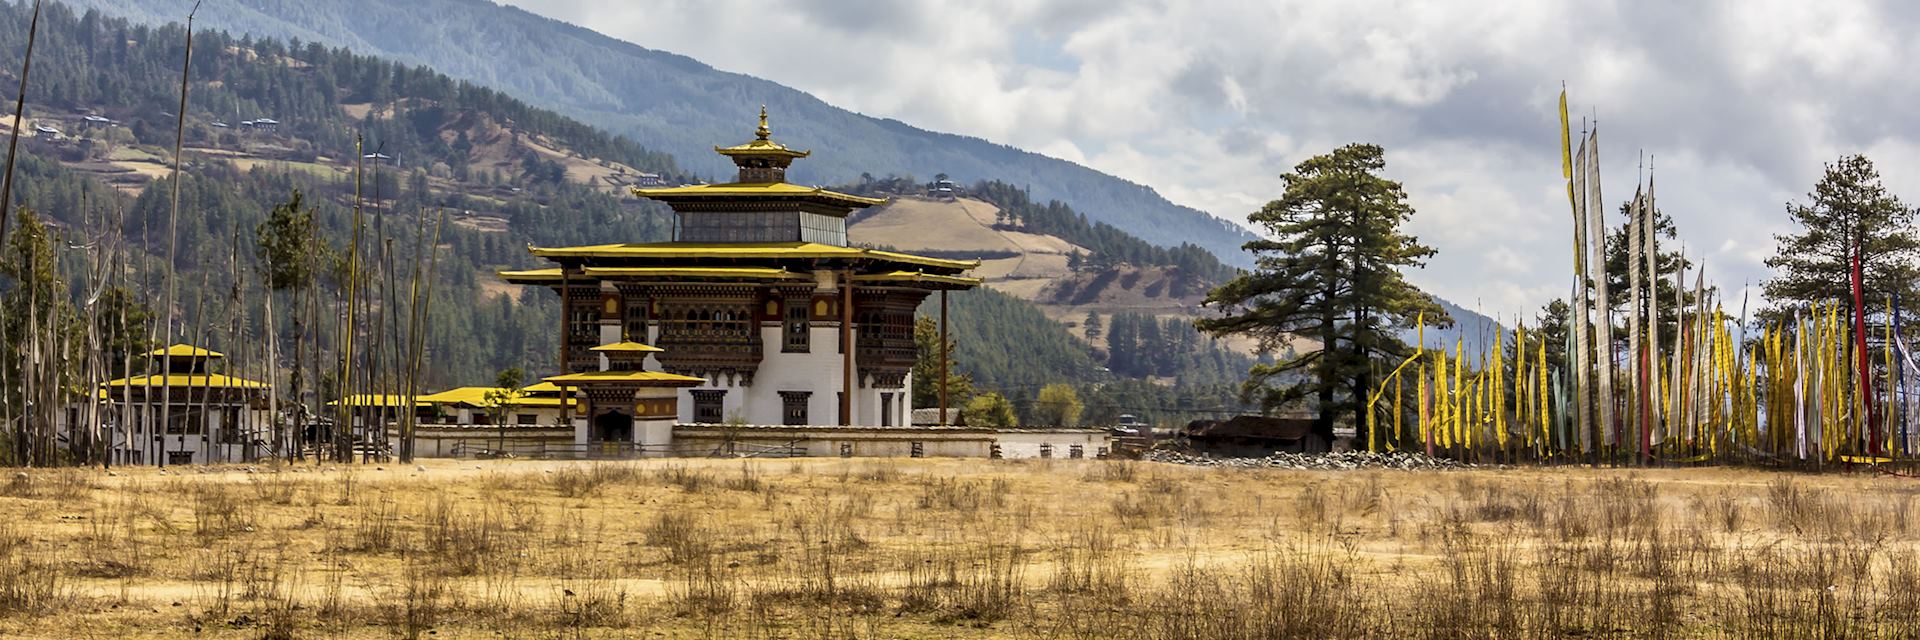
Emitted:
<point x="817" y="371"/>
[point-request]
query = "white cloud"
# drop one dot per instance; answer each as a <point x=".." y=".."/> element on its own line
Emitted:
<point x="1739" y="104"/>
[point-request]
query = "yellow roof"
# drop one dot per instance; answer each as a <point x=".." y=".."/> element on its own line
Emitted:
<point x="215" y="380"/>
<point x="629" y="346"/>
<point x="789" y="250"/>
<point x="757" y="190"/>
<point x="918" y="277"/>
<point x="186" y="351"/>
<point x="477" y="396"/>
<point x="379" y="400"/>
<point x="761" y="147"/>
<point x="530" y="276"/>
<point x="653" y="377"/>
<point x="762" y="144"/>
<point x="693" y="272"/>
<point x="541" y="387"/>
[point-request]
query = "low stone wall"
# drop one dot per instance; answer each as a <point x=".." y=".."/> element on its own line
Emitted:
<point x="1053" y="443"/>
<point x="832" y="441"/>
<point x="460" y="440"/>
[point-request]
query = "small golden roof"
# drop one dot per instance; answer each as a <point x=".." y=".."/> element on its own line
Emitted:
<point x="762" y="144"/>
<point x="181" y="380"/>
<point x="185" y="351"/>
<point x="628" y="346"/>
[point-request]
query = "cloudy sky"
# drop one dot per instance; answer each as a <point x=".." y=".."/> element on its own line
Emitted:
<point x="1737" y="104"/>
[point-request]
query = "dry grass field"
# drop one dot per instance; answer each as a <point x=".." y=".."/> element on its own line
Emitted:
<point x="953" y="549"/>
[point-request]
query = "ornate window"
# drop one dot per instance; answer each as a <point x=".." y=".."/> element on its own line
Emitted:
<point x="793" y="407"/>
<point x="795" y="329"/>
<point x="636" y="319"/>
<point x="707" y="406"/>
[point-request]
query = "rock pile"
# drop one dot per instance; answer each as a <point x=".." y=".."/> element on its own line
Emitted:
<point x="1321" y="461"/>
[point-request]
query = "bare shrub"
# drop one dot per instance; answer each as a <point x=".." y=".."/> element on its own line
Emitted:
<point x="679" y="475"/>
<point x="461" y="542"/>
<point x="748" y="480"/>
<point x="49" y="484"/>
<point x="581" y="482"/>
<point x="218" y="513"/>
<point x="878" y="473"/>
<point x="1124" y="471"/>
<point x="274" y="489"/>
<point x="681" y="534"/>
<point x="1089" y="562"/>
<point x="373" y="528"/>
<point x="952" y="494"/>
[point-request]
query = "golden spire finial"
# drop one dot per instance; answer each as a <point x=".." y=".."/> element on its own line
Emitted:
<point x="763" y="132"/>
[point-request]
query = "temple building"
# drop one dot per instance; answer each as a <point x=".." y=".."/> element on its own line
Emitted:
<point x="187" y="414"/>
<point x="759" y="297"/>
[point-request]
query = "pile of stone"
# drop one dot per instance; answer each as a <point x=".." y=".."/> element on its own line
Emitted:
<point x="1319" y="461"/>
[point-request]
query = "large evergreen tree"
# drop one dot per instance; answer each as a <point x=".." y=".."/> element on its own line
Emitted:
<point x="1848" y="210"/>
<point x="1331" y="273"/>
<point x="1670" y="261"/>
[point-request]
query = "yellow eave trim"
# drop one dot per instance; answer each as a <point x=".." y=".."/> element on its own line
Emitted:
<point x="915" y="276"/>
<point x="530" y="276"/>
<point x="380" y="400"/>
<point x="761" y="148"/>
<point x="789" y="250"/>
<point x="692" y="272"/>
<point x="756" y="190"/>
<point x="477" y="396"/>
<point x="627" y="376"/>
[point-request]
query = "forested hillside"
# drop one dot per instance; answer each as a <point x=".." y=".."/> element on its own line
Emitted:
<point x="1163" y="371"/>
<point x="499" y="196"/>
<point x="505" y="174"/>
<point x="682" y="106"/>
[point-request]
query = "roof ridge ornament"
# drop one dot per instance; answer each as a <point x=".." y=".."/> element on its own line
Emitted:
<point x="763" y="132"/>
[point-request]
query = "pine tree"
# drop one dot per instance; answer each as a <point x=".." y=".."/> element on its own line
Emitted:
<point x="926" y="370"/>
<point x="1331" y="273"/>
<point x="1092" y="325"/>
<point x="1849" y="210"/>
<point x="1122" y="343"/>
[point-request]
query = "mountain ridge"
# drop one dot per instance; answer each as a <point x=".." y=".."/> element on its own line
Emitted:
<point x="683" y="106"/>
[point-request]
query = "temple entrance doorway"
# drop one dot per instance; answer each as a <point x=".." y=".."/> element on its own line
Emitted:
<point x="613" y="426"/>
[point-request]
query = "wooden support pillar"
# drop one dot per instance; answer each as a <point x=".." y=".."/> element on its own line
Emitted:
<point x="944" y="355"/>
<point x="566" y="337"/>
<point x="846" y="348"/>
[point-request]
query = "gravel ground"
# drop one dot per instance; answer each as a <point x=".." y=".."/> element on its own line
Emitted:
<point x="1324" y="461"/>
